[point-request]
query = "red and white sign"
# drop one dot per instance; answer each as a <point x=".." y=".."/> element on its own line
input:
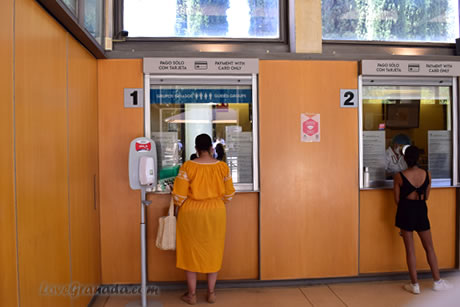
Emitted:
<point x="309" y="127"/>
<point x="143" y="146"/>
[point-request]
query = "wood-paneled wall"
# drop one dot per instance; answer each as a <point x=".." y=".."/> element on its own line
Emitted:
<point x="381" y="247"/>
<point x="309" y="191"/>
<point x="120" y="211"/>
<point x="120" y="206"/>
<point x="83" y="169"/>
<point x="41" y="155"/>
<point x="54" y="156"/>
<point x="8" y="264"/>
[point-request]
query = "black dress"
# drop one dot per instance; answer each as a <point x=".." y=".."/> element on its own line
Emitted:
<point x="412" y="214"/>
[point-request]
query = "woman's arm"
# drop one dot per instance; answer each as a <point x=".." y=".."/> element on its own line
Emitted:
<point x="181" y="185"/>
<point x="397" y="187"/>
<point x="428" y="188"/>
<point x="229" y="188"/>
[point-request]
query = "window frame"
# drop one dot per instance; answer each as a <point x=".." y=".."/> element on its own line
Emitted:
<point x="413" y="81"/>
<point x="75" y="24"/>
<point x="169" y="79"/>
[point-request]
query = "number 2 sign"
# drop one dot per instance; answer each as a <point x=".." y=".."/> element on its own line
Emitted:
<point x="348" y="98"/>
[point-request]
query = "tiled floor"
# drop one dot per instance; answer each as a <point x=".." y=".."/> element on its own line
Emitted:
<point x="369" y="294"/>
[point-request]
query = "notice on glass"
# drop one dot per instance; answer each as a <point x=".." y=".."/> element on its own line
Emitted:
<point x="310" y="127"/>
<point x="168" y="147"/>
<point x="374" y="154"/>
<point x="239" y="155"/>
<point x="439" y="153"/>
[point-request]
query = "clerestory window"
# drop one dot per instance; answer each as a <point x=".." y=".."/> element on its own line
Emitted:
<point x="391" y="20"/>
<point x="202" y="19"/>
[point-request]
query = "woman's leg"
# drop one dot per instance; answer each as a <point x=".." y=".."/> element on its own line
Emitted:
<point x="410" y="254"/>
<point x="212" y="277"/>
<point x="427" y="242"/>
<point x="191" y="282"/>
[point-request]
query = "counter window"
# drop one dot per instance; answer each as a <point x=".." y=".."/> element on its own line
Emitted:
<point x="180" y="112"/>
<point x="406" y="112"/>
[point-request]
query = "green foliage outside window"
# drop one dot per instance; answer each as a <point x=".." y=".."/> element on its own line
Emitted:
<point x="208" y="18"/>
<point x="390" y="20"/>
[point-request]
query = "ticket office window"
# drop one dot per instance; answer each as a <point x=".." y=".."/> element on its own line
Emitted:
<point x="419" y="112"/>
<point x="223" y="107"/>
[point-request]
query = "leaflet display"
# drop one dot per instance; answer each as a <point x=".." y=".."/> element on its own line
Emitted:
<point x="439" y="153"/>
<point x="374" y="154"/>
<point x="239" y="156"/>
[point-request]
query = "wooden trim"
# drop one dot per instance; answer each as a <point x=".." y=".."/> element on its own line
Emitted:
<point x="65" y="17"/>
<point x="8" y="235"/>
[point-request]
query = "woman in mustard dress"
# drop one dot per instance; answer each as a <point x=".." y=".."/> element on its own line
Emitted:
<point x="200" y="190"/>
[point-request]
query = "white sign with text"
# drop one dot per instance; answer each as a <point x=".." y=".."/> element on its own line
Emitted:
<point x="200" y="66"/>
<point x="410" y="68"/>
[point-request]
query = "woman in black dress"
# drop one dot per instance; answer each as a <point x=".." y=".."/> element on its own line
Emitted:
<point x="411" y="191"/>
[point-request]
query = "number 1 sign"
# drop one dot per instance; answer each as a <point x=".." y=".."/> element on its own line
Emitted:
<point x="133" y="97"/>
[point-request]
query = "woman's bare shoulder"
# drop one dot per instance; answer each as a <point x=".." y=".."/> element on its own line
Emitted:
<point x="397" y="179"/>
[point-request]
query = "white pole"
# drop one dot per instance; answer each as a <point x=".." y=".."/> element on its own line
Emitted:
<point x="144" y="203"/>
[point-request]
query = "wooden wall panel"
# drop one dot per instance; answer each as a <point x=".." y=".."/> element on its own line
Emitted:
<point x="41" y="154"/>
<point x="309" y="191"/>
<point x="241" y="255"/>
<point x="83" y="168"/>
<point x="120" y="206"/>
<point x="120" y="209"/>
<point x="381" y="247"/>
<point x="8" y="263"/>
<point x="241" y="245"/>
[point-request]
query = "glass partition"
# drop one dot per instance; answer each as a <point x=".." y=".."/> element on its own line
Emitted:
<point x="404" y="112"/>
<point x="180" y="112"/>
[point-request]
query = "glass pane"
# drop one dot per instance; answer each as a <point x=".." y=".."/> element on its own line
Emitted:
<point x="94" y="18"/>
<point x="394" y="116"/>
<point x="179" y="113"/>
<point x="72" y="5"/>
<point x="202" y="18"/>
<point x="391" y="20"/>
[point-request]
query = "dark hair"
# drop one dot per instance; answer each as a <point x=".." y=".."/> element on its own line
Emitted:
<point x="401" y="139"/>
<point x="411" y="155"/>
<point x="220" y="151"/>
<point x="193" y="156"/>
<point x="203" y="142"/>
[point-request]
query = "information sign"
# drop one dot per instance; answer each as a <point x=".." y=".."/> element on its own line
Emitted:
<point x="200" y="66"/>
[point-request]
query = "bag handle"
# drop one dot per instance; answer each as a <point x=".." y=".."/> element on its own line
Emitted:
<point x="171" y="207"/>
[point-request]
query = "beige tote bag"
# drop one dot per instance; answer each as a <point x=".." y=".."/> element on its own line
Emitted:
<point x="166" y="236"/>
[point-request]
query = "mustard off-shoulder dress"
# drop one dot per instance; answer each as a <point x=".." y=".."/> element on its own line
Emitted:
<point x="200" y="190"/>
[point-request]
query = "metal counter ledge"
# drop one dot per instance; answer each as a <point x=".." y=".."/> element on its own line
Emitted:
<point x="388" y="184"/>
